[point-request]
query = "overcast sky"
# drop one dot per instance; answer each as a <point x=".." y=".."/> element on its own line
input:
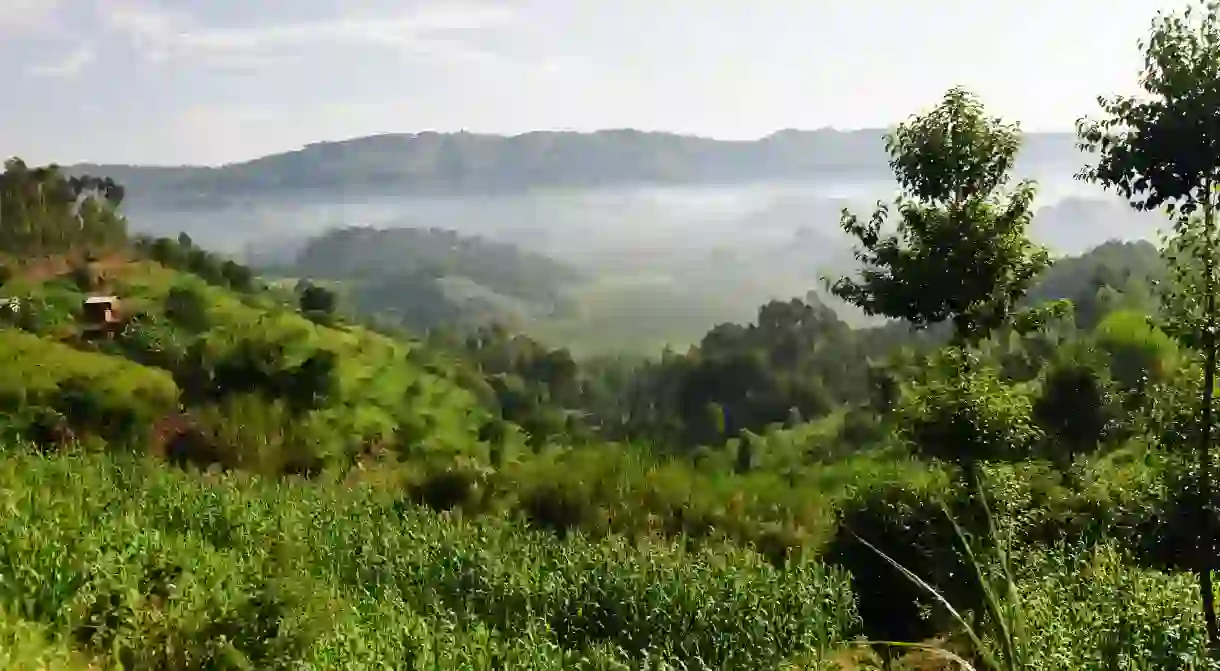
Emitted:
<point x="214" y="81"/>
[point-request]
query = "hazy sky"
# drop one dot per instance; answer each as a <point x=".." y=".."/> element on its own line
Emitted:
<point x="212" y="81"/>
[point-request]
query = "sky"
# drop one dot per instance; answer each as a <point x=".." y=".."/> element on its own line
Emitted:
<point x="219" y="81"/>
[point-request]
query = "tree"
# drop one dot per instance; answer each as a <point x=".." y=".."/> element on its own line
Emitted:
<point x="42" y="211"/>
<point x="1162" y="150"/>
<point x="186" y="307"/>
<point x="960" y="253"/>
<point x="239" y="277"/>
<point x="962" y="412"/>
<point x="313" y="383"/>
<point x="318" y="303"/>
<point x="1074" y="406"/>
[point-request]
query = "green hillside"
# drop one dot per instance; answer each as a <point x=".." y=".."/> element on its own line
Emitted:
<point x="187" y="336"/>
<point x="464" y="505"/>
<point x="222" y="474"/>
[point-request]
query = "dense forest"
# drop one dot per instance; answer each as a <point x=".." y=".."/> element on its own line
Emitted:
<point x="1014" y="471"/>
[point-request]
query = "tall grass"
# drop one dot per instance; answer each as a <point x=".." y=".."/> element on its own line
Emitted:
<point x="1064" y="607"/>
<point x="149" y="568"/>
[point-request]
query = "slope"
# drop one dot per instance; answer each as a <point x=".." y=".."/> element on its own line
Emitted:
<point x="243" y="366"/>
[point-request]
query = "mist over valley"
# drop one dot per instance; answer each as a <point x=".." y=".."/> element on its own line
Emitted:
<point x="663" y="254"/>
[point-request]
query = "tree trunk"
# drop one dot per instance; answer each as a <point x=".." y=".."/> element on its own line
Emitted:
<point x="1205" y="435"/>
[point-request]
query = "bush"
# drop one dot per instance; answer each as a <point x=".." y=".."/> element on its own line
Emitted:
<point x="910" y="526"/>
<point x="1088" y="608"/>
<point x="251" y="433"/>
<point x="318" y="304"/>
<point x="964" y="413"/>
<point x="1075" y="409"/>
<point x="187" y="308"/>
<point x="455" y="487"/>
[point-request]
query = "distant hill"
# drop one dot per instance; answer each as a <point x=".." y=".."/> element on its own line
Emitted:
<point x="438" y="163"/>
<point x="432" y="277"/>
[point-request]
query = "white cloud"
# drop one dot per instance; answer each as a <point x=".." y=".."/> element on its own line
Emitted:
<point x="70" y="65"/>
<point x="24" y="16"/>
<point x="151" y="29"/>
<point x="436" y="31"/>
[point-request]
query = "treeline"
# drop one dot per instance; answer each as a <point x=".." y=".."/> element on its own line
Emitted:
<point x="466" y="163"/>
<point x="45" y="211"/>
<point x="797" y="362"/>
<point x="182" y="254"/>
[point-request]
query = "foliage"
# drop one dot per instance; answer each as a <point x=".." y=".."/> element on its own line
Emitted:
<point x="109" y="396"/>
<point x="1115" y="275"/>
<point x="156" y="569"/>
<point x="44" y="211"/>
<point x="1159" y="150"/>
<point x="907" y="524"/>
<point x="961" y="252"/>
<point x="962" y="412"/>
<point x="182" y="254"/>
<point x="350" y="497"/>
<point x="798" y="362"/>
<point x="1059" y="608"/>
<point x="317" y="303"/>
<point x="402" y="273"/>
<point x="1117" y="616"/>
<point x="1076" y="406"/>
<point x="185" y="307"/>
<point x="27" y="647"/>
<point x="1139" y="354"/>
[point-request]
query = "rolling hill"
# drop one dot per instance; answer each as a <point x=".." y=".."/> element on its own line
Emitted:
<point x="457" y="163"/>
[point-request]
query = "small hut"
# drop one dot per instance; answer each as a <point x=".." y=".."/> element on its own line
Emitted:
<point x="101" y="315"/>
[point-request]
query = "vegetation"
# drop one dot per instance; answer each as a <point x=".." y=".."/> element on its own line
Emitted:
<point x="234" y="475"/>
<point x="44" y="211"/>
<point x="1158" y="152"/>
<point x="408" y="276"/>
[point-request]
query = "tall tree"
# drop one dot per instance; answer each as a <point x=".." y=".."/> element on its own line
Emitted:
<point x="43" y="211"/>
<point x="1161" y="150"/>
<point x="960" y="252"/>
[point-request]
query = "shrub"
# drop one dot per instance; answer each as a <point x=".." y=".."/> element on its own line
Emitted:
<point x="1088" y="608"/>
<point x="317" y="304"/>
<point x="187" y="308"/>
<point x="963" y="413"/>
<point x="1075" y="409"/>
<point x="909" y="525"/>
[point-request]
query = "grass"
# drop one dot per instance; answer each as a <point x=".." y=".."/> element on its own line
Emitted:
<point x="138" y="565"/>
<point x="603" y="557"/>
<point x="1063" y="607"/>
<point x="381" y="387"/>
<point x="28" y="647"/>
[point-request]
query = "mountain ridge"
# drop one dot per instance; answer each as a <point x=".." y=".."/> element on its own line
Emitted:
<point x="464" y="162"/>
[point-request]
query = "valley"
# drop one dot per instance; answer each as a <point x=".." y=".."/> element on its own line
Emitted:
<point x="824" y="400"/>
